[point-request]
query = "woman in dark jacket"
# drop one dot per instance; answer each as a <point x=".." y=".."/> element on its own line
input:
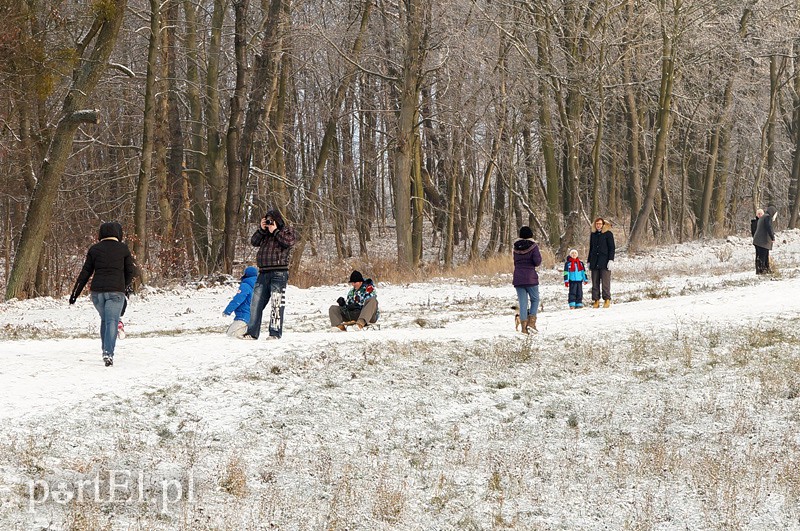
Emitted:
<point x="110" y="264"/>
<point x="526" y="280"/>
<point x="601" y="256"/>
<point x="763" y="239"/>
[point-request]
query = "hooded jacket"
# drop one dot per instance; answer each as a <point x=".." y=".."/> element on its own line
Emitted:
<point x="526" y="259"/>
<point x="574" y="271"/>
<point x="240" y="304"/>
<point x="765" y="235"/>
<point x="109" y="262"/>
<point x="275" y="248"/>
<point x="360" y="296"/>
<point x="601" y="247"/>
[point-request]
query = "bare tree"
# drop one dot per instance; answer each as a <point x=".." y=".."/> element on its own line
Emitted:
<point x="102" y="37"/>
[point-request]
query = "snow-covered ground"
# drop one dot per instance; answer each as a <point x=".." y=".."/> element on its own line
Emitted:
<point x="676" y="408"/>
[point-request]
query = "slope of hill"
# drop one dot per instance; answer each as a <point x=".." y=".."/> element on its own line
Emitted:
<point x="675" y="408"/>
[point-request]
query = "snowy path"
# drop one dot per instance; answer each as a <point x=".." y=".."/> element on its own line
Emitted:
<point x="43" y="376"/>
<point x="675" y="408"/>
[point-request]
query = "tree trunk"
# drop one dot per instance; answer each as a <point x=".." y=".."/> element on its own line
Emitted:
<point x="417" y="19"/>
<point x="175" y="140"/>
<point x="366" y="207"/>
<point x="452" y="194"/>
<point x="161" y="171"/>
<point x="215" y="140"/>
<point x="307" y="218"/>
<point x="632" y="115"/>
<point x="280" y="190"/>
<point x="720" y="193"/>
<point x="766" y="136"/>
<point x="148" y="140"/>
<point x="546" y="132"/>
<point x="261" y="97"/>
<point x="38" y="218"/>
<point x="660" y="148"/>
<point x="194" y="164"/>
<point x="487" y="178"/>
<point x="795" y="175"/>
<point x="417" y="201"/>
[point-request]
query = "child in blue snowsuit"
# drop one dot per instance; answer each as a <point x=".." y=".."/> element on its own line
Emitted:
<point x="240" y="304"/>
<point x="574" y="279"/>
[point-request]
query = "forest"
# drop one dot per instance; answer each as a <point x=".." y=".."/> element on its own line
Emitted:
<point x="449" y="123"/>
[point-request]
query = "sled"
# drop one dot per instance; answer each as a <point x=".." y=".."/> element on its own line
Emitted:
<point x="370" y="326"/>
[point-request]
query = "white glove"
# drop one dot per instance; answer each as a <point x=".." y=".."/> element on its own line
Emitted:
<point x="608" y="266"/>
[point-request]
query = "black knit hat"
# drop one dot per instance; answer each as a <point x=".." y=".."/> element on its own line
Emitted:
<point x="525" y="232"/>
<point x="356" y="276"/>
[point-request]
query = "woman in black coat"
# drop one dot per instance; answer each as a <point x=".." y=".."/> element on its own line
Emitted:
<point x="601" y="256"/>
<point x="110" y="264"/>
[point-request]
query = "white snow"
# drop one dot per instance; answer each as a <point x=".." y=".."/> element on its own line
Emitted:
<point x="675" y="408"/>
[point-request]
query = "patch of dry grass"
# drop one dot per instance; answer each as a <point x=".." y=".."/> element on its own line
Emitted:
<point x="334" y="271"/>
<point x="234" y="477"/>
<point x="420" y="442"/>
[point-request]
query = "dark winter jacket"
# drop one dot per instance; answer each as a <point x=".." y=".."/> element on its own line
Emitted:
<point x="765" y="235"/>
<point x="275" y="248"/>
<point x="601" y="247"/>
<point x="753" y="226"/>
<point x="526" y="259"/>
<point x="240" y="304"/>
<point x="108" y="262"/>
<point x="574" y="271"/>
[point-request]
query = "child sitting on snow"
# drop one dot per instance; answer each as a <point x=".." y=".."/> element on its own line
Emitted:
<point x="360" y="306"/>
<point x="574" y="279"/>
<point x="240" y="304"/>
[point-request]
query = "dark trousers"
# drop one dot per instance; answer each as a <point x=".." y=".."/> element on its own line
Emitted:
<point x="601" y="277"/>
<point x="575" y="293"/>
<point x="270" y="288"/>
<point x="368" y="312"/>
<point x="762" y="260"/>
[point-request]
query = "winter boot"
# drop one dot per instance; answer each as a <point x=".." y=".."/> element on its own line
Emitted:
<point x="595" y="304"/>
<point x="340" y="328"/>
<point x="523" y="325"/>
<point x="532" y="322"/>
<point x="108" y="360"/>
<point x="607" y="303"/>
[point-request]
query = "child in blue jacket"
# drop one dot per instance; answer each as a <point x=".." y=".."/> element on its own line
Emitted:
<point x="574" y="279"/>
<point x="240" y="304"/>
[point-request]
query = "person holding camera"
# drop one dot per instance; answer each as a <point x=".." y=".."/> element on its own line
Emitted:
<point x="274" y="240"/>
<point x="360" y="306"/>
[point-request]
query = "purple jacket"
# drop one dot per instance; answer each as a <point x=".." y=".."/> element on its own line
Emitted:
<point x="526" y="258"/>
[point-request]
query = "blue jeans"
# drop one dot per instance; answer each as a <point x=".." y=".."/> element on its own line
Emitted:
<point x="523" y="294"/>
<point x="109" y="306"/>
<point x="270" y="288"/>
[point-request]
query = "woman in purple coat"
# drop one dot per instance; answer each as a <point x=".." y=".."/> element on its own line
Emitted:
<point x="526" y="280"/>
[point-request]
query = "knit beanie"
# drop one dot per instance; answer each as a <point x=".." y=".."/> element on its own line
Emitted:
<point x="525" y="232"/>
